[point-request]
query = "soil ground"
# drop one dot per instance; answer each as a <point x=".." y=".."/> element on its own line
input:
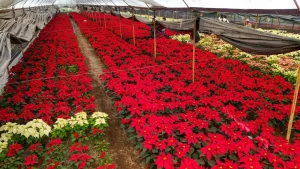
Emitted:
<point x="121" y="150"/>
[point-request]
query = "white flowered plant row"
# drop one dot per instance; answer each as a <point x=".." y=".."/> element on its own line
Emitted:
<point x="37" y="128"/>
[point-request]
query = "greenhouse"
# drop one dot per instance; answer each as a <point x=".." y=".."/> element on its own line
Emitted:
<point x="149" y="84"/>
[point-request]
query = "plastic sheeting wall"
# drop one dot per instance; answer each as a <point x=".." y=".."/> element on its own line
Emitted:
<point x="24" y="28"/>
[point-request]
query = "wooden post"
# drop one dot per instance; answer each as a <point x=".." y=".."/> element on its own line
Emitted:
<point x="110" y="23"/>
<point x="194" y="49"/>
<point x="95" y="16"/>
<point x="293" y="26"/>
<point x="173" y="15"/>
<point x="279" y="21"/>
<point x="272" y="23"/>
<point x="158" y="14"/>
<point x="100" y="18"/>
<point x="154" y="40"/>
<point x="256" y="20"/>
<point x="133" y="31"/>
<point x="104" y="21"/>
<point x="290" y="125"/>
<point x="120" y="23"/>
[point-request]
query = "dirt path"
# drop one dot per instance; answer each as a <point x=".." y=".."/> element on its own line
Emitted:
<point x="122" y="151"/>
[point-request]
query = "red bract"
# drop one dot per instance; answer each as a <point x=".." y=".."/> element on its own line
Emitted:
<point x="164" y="161"/>
<point x="188" y="163"/>
<point x="54" y="142"/>
<point x="30" y="160"/>
<point x="35" y="147"/>
<point x="13" y="149"/>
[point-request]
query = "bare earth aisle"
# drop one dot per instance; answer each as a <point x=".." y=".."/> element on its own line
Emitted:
<point x="121" y="150"/>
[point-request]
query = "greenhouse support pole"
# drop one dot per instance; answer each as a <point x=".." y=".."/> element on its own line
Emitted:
<point x="120" y="22"/>
<point x="154" y="30"/>
<point x="133" y="31"/>
<point x="173" y="15"/>
<point x="104" y="21"/>
<point x="96" y="18"/>
<point x="290" y="125"/>
<point x="272" y="23"/>
<point x="279" y="21"/>
<point x="110" y="22"/>
<point x="100" y="13"/>
<point x="194" y="49"/>
<point x="256" y="20"/>
<point x="158" y="14"/>
<point x="293" y="26"/>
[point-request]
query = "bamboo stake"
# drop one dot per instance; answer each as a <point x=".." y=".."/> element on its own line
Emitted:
<point x="133" y="31"/>
<point x="99" y="15"/>
<point x="110" y="23"/>
<point x="293" y="26"/>
<point x="120" y="23"/>
<point x="290" y="125"/>
<point x="104" y="21"/>
<point x="173" y="15"/>
<point x="256" y="21"/>
<point x="158" y="15"/>
<point x="272" y="23"/>
<point x="194" y="49"/>
<point x="154" y="36"/>
<point x="95" y="16"/>
<point x="100" y="18"/>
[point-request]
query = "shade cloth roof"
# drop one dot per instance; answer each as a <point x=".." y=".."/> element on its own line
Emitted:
<point x="243" y="6"/>
<point x="247" y="39"/>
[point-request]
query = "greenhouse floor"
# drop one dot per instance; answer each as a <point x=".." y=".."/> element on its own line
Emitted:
<point x="121" y="150"/>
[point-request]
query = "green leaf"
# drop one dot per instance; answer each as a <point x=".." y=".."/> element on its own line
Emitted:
<point x="201" y="161"/>
<point x="154" y="150"/>
<point x="233" y="157"/>
<point x="213" y="129"/>
<point x="148" y="159"/>
<point x="212" y="162"/>
<point x="192" y="150"/>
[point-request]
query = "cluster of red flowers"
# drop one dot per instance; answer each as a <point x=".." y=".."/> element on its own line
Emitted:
<point x="50" y="81"/>
<point x="113" y="24"/>
<point x="230" y="117"/>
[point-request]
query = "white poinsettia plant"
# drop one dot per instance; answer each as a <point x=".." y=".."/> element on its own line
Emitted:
<point x="4" y="139"/>
<point x="79" y="123"/>
<point x="99" y="120"/>
<point x="37" y="129"/>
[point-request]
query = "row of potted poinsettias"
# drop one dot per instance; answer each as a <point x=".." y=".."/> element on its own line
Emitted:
<point x="51" y="79"/>
<point x="41" y="121"/>
<point x="230" y="117"/>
